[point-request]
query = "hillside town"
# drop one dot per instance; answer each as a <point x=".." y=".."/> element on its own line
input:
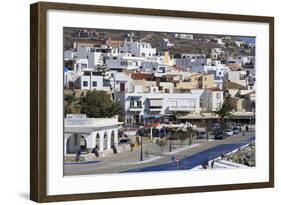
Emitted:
<point x="146" y="101"/>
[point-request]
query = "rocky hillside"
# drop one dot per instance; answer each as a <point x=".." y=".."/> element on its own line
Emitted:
<point x="202" y="43"/>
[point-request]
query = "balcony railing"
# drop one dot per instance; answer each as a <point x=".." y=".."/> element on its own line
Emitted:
<point x="136" y="107"/>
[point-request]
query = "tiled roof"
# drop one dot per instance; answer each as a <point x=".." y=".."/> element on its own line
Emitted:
<point x="141" y="76"/>
<point x="215" y="89"/>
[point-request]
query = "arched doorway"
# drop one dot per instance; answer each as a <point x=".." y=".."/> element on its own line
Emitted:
<point x="105" y="138"/>
<point x="76" y="143"/>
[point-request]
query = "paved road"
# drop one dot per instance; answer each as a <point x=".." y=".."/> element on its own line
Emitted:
<point x="194" y="160"/>
<point x="188" y="158"/>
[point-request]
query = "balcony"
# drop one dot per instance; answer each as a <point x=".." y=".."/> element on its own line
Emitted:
<point x="182" y="108"/>
<point x="136" y="108"/>
<point x="155" y="104"/>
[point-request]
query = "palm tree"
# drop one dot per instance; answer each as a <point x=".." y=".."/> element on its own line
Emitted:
<point x="224" y="110"/>
<point x="71" y="104"/>
<point x="102" y="69"/>
<point x="181" y="135"/>
<point x="190" y="133"/>
<point x="113" y="109"/>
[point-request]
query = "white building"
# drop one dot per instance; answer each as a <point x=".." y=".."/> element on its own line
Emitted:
<point x="192" y="61"/>
<point x="90" y="81"/>
<point x="95" y="56"/>
<point x="219" y="72"/>
<point x="119" y="81"/>
<point x="248" y="60"/>
<point x="220" y="41"/>
<point x="72" y="79"/>
<point x="137" y="49"/>
<point x="216" y="52"/>
<point x="183" y="36"/>
<point x="239" y="77"/>
<point x="137" y="104"/>
<point x="166" y="42"/>
<point x="124" y="61"/>
<point x="83" y="134"/>
<point x="239" y="43"/>
<point x="211" y="100"/>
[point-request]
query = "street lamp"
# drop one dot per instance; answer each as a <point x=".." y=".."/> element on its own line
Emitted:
<point x="141" y="154"/>
<point x="170" y="135"/>
<point x="114" y="82"/>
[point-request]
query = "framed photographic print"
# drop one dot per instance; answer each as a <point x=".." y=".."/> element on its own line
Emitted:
<point x="136" y="102"/>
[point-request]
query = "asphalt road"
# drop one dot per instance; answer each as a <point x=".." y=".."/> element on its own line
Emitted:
<point x="185" y="158"/>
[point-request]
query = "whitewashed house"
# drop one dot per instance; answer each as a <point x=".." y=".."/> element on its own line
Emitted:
<point x="219" y="73"/>
<point x="137" y="49"/>
<point x="96" y="56"/>
<point x="238" y="77"/>
<point x="89" y="80"/>
<point x="220" y="41"/>
<point x="141" y="101"/>
<point x="166" y="42"/>
<point x="193" y="61"/>
<point x="183" y="36"/>
<point x="84" y="134"/>
<point x="124" y="61"/>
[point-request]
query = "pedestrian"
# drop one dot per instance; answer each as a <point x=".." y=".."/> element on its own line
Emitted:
<point x="132" y="146"/>
<point x="247" y="128"/>
<point x="212" y="164"/>
<point x="78" y="156"/>
<point x="95" y="151"/>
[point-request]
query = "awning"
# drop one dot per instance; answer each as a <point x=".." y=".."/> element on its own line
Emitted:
<point x="155" y="102"/>
<point x="197" y="116"/>
<point x="234" y="115"/>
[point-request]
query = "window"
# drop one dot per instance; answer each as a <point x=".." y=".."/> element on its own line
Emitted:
<point x="85" y="83"/>
<point x="132" y="104"/>
<point x="94" y="83"/>
<point x="124" y="63"/>
<point x="139" y="104"/>
<point x="218" y="95"/>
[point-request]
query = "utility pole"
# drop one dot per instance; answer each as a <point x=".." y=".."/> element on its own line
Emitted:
<point x="114" y="88"/>
<point x="170" y="135"/>
<point x="141" y="154"/>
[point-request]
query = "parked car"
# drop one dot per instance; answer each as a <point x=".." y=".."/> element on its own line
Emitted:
<point x="229" y="132"/>
<point x="236" y="130"/>
<point x="220" y="134"/>
<point x="124" y="141"/>
<point x="202" y="135"/>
